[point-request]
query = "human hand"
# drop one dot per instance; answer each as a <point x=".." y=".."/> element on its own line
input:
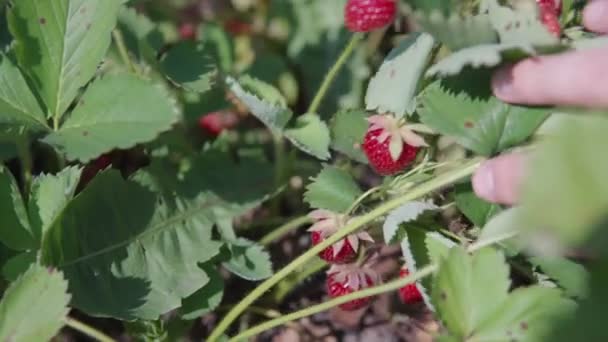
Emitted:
<point x="574" y="78"/>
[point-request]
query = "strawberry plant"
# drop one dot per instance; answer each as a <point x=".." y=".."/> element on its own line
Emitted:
<point x="177" y="171"/>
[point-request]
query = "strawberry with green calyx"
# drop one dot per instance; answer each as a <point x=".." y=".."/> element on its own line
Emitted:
<point x="409" y="294"/>
<point x="549" y="12"/>
<point x="391" y="146"/>
<point x="327" y="223"/>
<point x="349" y="278"/>
<point x="369" y="15"/>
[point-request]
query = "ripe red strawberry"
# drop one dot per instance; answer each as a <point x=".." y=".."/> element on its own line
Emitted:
<point x="391" y="147"/>
<point x="345" y="279"/>
<point x="187" y="31"/>
<point x="369" y="15"/>
<point x="549" y="12"/>
<point x="409" y="294"/>
<point x="326" y="224"/>
<point x="214" y="123"/>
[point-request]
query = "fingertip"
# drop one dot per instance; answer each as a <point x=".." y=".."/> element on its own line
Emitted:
<point x="595" y="16"/>
<point x="498" y="180"/>
<point x="483" y="182"/>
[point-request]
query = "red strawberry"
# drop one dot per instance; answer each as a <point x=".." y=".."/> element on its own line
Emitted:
<point x="187" y="31"/>
<point x="326" y="224"/>
<point x="409" y="294"/>
<point x="214" y="123"/>
<point x="391" y="147"/>
<point x="549" y="11"/>
<point x="94" y="167"/>
<point x="369" y="15"/>
<point x="345" y="279"/>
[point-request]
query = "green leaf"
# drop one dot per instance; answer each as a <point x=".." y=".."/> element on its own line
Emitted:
<point x="107" y="113"/>
<point x="444" y="7"/>
<point x="219" y="43"/>
<point x="140" y="34"/>
<point x="529" y="315"/>
<point x="18" y="265"/>
<point x="565" y="189"/>
<point x="207" y="298"/>
<point x="333" y="189"/>
<point x="505" y="227"/>
<point x="569" y="275"/>
<point x="469" y="289"/>
<point x="480" y="56"/>
<point x="457" y="32"/>
<point x="129" y="253"/>
<point x="311" y="135"/>
<point x="248" y="260"/>
<point x="19" y="108"/>
<point x="393" y="88"/>
<point x="188" y="65"/>
<point x="473" y="207"/>
<point x="263" y="100"/>
<point x="15" y="230"/>
<point x="61" y="43"/>
<point x="405" y="213"/>
<point x="35" y="306"/>
<point x="485" y="126"/>
<point x="49" y="195"/>
<point x="348" y="129"/>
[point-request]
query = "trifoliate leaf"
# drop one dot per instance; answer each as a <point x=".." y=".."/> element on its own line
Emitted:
<point x="188" y="65"/>
<point x="333" y="189"/>
<point x="485" y="126"/>
<point x="18" y="265"/>
<point x="140" y="34"/>
<point x="263" y="100"/>
<point x="248" y="260"/>
<point x="207" y="298"/>
<point x="107" y="113"/>
<point x="311" y="135"/>
<point x="393" y="88"/>
<point x="457" y="32"/>
<point x="348" y="128"/>
<point x="405" y="213"/>
<point x="569" y="275"/>
<point x="474" y="208"/>
<point x="60" y="44"/>
<point x="481" y="56"/>
<point x="15" y="228"/>
<point x="35" y="306"/>
<point x="504" y="227"/>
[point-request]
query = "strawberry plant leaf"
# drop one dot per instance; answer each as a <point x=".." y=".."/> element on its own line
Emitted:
<point x="188" y="65"/>
<point x="311" y="135"/>
<point x="348" y="128"/>
<point x="263" y="100"/>
<point x="248" y="260"/>
<point x="333" y="189"/>
<point x="35" y="306"/>
<point x="141" y="35"/>
<point x="444" y="7"/>
<point x="504" y="227"/>
<point x="19" y="108"/>
<point x="480" y="56"/>
<point x="405" y="213"/>
<point x="457" y="32"/>
<point x="219" y="44"/>
<point x="15" y="229"/>
<point x="49" y="195"/>
<point x="485" y="126"/>
<point x="474" y="208"/>
<point x="61" y="43"/>
<point x="393" y="88"/>
<point x="568" y="163"/>
<point x="129" y="253"/>
<point x="207" y="298"/>
<point x="18" y="265"/>
<point x="108" y="111"/>
<point x="469" y="289"/>
<point x="569" y="275"/>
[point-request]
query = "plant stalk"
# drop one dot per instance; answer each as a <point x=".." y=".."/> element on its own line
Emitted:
<point x="355" y="224"/>
<point x="88" y="330"/>
<point x="122" y="50"/>
<point x="284" y="229"/>
<point x="333" y="73"/>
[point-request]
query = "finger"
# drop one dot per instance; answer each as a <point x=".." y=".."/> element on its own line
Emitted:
<point x="595" y="16"/>
<point x="571" y="79"/>
<point x="498" y="180"/>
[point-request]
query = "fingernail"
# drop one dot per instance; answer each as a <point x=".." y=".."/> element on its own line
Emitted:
<point x="483" y="182"/>
<point x="502" y="83"/>
<point x="595" y="14"/>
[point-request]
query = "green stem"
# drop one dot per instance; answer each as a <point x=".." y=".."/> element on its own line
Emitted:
<point x="333" y="72"/>
<point x="279" y="170"/>
<point x="88" y="330"/>
<point x="25" y="157"/>
<point x="356" y="223"/>
<point x="369" y="292"/>
<point x="284" y="229"/>
<point x="122" y="50"/>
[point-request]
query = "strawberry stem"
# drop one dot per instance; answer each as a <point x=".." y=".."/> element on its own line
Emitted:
<point x="333" y="73"/>
<point x="284" y="229"/>
<point x="87" y="330"/>
<point x="443" y="180"/>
